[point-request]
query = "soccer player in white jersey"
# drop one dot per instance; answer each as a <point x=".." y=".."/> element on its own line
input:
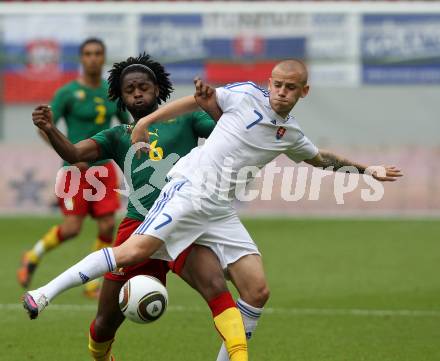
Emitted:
<point x="195" y="205"/>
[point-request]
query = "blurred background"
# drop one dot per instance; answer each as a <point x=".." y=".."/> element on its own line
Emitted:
<point x="374" y="76"/>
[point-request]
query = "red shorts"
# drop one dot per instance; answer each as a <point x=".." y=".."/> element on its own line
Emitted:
<point x="77" y="205"/>
<point x="152" y="267"/>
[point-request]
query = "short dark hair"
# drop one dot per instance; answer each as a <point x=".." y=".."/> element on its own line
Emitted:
<point x="144" y="64"/>
<point x="91" y="41"/>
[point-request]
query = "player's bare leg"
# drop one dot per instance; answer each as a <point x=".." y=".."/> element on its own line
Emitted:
<point x="108" y="319"/>
<point x="69" y="228"/>
<point x="203" y="272"/>
<point x="249" y="278"/>
<point x="106" y="226"/>
<point x="135" y="250"/>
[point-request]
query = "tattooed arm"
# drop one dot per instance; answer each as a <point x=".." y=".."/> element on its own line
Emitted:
<point x="327" y="160"/>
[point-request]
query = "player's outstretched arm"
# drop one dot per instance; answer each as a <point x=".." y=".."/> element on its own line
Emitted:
<point x="84" y="151"/>
<point x="204" y="97"/>
<point x="168" y="111"/>
<point x="327" y="160"/>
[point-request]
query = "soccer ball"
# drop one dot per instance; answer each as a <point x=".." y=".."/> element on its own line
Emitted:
<point x="143" y="299"/>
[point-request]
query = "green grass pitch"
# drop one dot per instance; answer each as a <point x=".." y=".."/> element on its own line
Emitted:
<point x="342" y="290"/>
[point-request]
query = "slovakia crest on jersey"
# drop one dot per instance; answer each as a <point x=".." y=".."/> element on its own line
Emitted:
<point x="280" y="132"/>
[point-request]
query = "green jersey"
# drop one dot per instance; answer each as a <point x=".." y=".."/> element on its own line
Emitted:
<point x="176" y="136"/>
<point x="86" y="110"/>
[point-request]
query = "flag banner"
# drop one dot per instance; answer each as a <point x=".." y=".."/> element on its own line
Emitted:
<point x="41" y="54"/>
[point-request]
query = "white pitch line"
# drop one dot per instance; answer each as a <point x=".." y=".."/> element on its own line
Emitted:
<point x="267" y="310"/>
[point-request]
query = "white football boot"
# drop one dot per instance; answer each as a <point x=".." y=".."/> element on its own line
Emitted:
<point x="34" y="302"/>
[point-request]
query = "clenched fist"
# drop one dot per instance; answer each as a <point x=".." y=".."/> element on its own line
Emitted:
<point x="42" y="117"/>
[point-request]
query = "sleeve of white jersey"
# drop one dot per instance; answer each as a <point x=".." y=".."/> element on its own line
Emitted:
<point x="303" y="149"/>
<point x="224" y="99"/>
<point x="230" y="95"/>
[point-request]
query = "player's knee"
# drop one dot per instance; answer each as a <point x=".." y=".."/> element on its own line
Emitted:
<point x="263" y="295"/>
<point x="258" y="295"/>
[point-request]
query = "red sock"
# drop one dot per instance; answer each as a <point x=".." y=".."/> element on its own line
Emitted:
<point x="221" y="302"/>
<point x="95" y="337"/>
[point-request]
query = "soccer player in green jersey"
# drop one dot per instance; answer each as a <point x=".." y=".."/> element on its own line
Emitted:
<point x="140" y="85"/>
<point x="86" y="109"/>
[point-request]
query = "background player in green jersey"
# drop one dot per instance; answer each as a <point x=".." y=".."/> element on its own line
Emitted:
<point x="140" y="85"/>
<point x="86" y="110"/>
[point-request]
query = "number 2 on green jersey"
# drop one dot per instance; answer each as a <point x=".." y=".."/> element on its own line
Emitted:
<point x="102" y="111"/>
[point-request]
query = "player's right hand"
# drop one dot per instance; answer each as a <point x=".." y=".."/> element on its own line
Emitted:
<point x="384" y="173"/>
<point x="42" y="117"/>
<point x="140" y="138"/>
<point x="205" y="97"/>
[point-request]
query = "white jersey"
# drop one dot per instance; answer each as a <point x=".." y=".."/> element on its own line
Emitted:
<point x="247" y="137"/>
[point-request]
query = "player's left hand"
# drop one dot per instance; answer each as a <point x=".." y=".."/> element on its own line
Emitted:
<point x="205" y="97"/>
<point x="384" y="173"/>
<point x="140" y="138"/>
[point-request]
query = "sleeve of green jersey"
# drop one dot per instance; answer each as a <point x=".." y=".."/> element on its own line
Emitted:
<point x="59" y="104"/>
<point x="202" y="124"/>
<point x="107" y="141"/>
